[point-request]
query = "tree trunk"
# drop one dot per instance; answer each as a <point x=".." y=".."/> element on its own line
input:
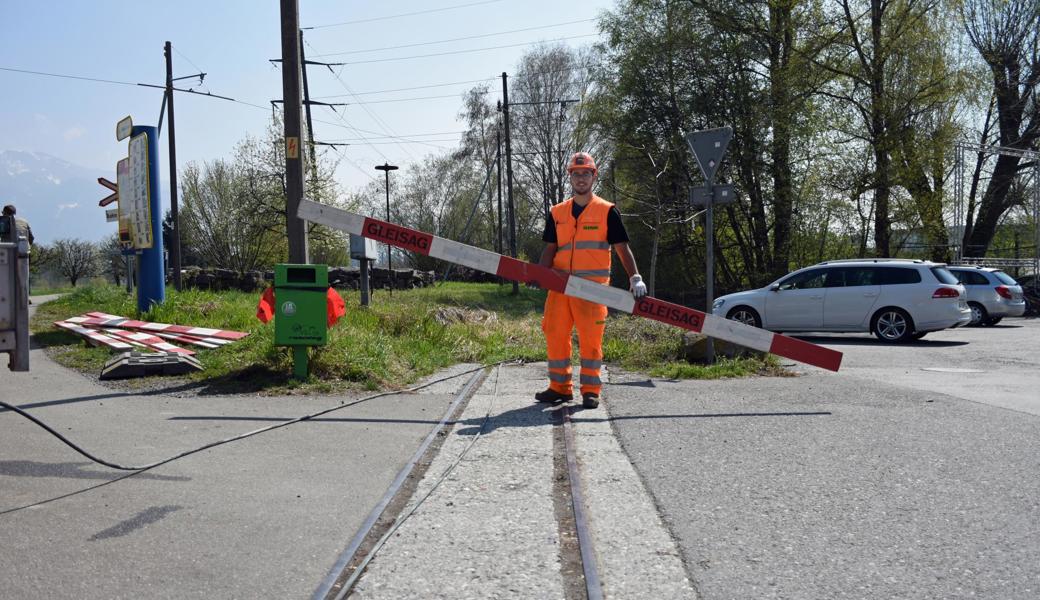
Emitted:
<point x="780" y="101"/>
<point x="995" y="203"/>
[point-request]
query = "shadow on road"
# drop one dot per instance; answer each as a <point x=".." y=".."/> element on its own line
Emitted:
<point x="866" y="341"/>
<point x="69" y="470"/>
<point x="540" y="415"/>
<point x="648" y="383"/>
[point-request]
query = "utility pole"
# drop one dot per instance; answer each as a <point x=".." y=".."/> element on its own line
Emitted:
<point x="307" y="102"/>
<point x="546" y="191"/>
<point x="498" y="161"/>
<point x="290" y="17"/>
<point x="175" y="242"/>
<point x="386" y="168"/>
<point x="509" y="176"/>
<point x="559" y="144"/>
<point x="307" y="107"/>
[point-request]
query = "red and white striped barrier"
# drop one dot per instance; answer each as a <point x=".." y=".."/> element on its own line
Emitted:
<point x="187" y="339"/>
<point x="151" y="341"/>
<point x="517" y="270"/>
<point x="94" y="336"/>
<point x="100" y="319"/>
<point x="198" y="332"/>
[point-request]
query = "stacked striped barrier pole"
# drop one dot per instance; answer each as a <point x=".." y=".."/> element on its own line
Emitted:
<point x="622" y="300"/>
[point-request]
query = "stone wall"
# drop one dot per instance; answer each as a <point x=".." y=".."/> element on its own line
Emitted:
<point x="339" y="277"/>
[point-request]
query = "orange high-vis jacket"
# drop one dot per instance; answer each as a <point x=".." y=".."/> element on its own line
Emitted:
<point x="582" y="247"/>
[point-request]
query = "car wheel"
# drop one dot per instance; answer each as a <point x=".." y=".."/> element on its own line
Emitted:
<point x="893" y="325"/>
<point x="978" y="314"/>
<point x="992" y="321"/>
<point x="745" y="315"/>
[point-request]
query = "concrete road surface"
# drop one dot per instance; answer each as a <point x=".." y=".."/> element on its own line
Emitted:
<point x="889" y="479"/>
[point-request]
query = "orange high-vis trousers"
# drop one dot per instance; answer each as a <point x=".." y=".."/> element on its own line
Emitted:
<point x="562" y="315"/>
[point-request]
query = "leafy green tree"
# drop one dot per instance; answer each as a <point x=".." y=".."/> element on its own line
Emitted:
<point x="234" y="209"/>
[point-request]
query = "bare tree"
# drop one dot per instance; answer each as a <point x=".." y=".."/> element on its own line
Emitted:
<point x="75" y="259"/>
<point x="548" y="122"/>
<point x="110" y="257"/>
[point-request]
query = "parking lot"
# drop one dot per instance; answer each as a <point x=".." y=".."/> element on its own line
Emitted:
<point x="998" y="365"/>
<point x="910" y="473"/>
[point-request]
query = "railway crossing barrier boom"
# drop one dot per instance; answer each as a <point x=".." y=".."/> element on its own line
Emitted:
<point x="619" y="299"/>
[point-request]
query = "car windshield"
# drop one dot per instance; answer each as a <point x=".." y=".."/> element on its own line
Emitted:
<point x="810" y="279"/>
<point x="1004" y="278"/>
<point x="944" y="276"/>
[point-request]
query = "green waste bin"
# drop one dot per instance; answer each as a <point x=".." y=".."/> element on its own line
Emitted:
<point x="300" y="314"/>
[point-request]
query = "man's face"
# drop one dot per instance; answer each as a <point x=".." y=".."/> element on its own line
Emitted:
<point x="582" y="180"/>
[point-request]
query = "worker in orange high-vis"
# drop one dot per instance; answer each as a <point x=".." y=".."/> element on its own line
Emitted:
<point x="578" y="238"/>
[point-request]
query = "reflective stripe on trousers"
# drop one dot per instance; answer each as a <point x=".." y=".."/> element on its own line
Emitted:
<point x="562" y="315"/>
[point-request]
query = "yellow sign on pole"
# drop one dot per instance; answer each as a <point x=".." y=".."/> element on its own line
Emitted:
<point x="292" y="147"/>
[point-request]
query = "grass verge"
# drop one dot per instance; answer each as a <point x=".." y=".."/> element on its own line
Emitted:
<point x="390" y="344"/>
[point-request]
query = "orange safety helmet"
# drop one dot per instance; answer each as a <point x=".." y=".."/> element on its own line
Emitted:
<point x="581" y="160"/>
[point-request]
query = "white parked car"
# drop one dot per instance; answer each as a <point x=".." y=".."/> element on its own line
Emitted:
<point x="896" y="299"/>
<point x="991" y="294"/>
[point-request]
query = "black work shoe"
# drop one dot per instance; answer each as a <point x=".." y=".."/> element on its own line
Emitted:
<point x="590" y="400"/>
<point x="551" y="395"/>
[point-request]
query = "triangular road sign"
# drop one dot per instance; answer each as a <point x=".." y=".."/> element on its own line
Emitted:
<point x="709" y="146"/>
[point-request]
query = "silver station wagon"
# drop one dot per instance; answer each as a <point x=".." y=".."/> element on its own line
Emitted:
<point x="895" y="299"/>
<point x="992" y="294"/>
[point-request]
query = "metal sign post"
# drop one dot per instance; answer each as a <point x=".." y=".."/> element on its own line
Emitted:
<point x="708" y="148"/>
<point x="139" y="202"/>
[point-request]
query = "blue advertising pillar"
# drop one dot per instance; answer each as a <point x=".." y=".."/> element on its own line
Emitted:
<point x="152" y="280"/>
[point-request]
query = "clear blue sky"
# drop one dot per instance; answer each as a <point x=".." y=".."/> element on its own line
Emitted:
<point x="232" y="41"/>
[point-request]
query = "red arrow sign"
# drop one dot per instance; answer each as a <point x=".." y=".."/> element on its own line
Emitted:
<point x="108" y="184"/>
<point x="109" y="199"/>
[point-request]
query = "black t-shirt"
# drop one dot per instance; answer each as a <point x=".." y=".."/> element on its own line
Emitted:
<point x="616" y="232"/>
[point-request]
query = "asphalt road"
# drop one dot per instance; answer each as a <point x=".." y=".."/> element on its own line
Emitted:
<point x="911" y="473"/>
<point x="889" y="479"/>
<point x="265" y="517"/>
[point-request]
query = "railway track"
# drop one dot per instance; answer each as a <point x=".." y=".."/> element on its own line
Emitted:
<point x="493" y="504"/>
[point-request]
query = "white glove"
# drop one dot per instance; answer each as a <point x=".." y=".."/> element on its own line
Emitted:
<point x="636" y="285"/>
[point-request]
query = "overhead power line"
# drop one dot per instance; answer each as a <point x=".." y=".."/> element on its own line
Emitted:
<point x="404" y="136"/>
<point x="452" y="52"/>
<point x="458" y="39"/>
<point x="417" y="87"/>
<point x="420" y="12"/>
<point x="456" y="96"/>
<point x="67" y="76"/>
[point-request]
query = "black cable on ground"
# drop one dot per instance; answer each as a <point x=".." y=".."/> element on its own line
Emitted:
<point x="142" y="468"/>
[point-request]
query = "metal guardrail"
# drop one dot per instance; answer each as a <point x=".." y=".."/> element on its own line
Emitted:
<point x="14" y="295"/>
<point x="1022" y="263"/>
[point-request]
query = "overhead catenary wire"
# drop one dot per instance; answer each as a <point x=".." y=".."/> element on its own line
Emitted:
<point x="64" y="76"/>
<point x="417" y="87"/>
<point x="446" y="41"/>
<point x="347" y="124"/>
<point x="375" y="118"/>
<point x="398" y="16"/>
<point x="469" y="50"/>
<point x="392" y="100"/>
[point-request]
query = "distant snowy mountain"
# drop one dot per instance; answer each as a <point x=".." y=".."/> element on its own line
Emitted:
<point x="58" y="198"/>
